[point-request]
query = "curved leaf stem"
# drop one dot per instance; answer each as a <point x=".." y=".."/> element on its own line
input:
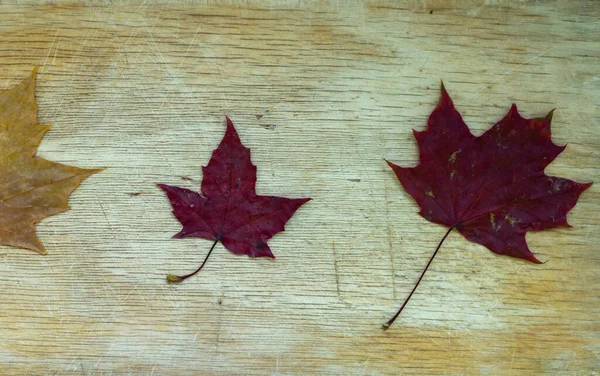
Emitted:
<point x="389" y="323"/>
<point x="176" y="279"/>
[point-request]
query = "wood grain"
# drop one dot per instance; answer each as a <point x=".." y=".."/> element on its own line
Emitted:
<point x="321" y="92"/>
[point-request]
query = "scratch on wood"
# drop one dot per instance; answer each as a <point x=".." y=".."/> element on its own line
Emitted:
<point x="49" y="50"/>
<point x="335" y="268"/>
<point x="55" y="51"/>
<point x="389" y="236"/>
<point x="112" y="231"/>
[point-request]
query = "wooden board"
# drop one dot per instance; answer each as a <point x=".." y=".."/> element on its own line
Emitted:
<point x="322" y="93"/>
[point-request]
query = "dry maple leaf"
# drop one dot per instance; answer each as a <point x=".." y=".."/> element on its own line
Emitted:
<point x="31" y="188"/>
<point x="229" y="210"/>
<point x="491" y="188"/>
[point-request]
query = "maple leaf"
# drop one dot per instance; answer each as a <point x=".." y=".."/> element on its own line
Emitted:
<point x="31" y="188"/>
<point x="228" y="210"/>
<point x="491" y="188"/>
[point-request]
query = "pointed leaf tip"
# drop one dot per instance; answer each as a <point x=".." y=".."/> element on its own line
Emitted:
<point x="389" y="163"/>
<point x="534" y="259"/>
<point x="305" y="200"/>
<point x="445" y="100"/>
<point x="550" y="115"/>
<point x="229" y="122"/>
<point x="230" y="127"/>
<point x="445" y="95"/>
<point x="513" y="111"/>
<point x="28" y="84"/>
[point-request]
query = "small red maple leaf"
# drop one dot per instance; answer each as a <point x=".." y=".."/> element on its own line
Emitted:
<point x="491" y="188"/>
<point x="229" y="210"/>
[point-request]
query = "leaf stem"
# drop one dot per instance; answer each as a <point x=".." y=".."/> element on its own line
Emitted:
<point x="389" y="323"/>
<point x="176" y="279"/>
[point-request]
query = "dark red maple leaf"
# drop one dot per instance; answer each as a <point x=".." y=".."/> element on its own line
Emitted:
<point x="228" y="210"/>
<point x="491" y="188"/>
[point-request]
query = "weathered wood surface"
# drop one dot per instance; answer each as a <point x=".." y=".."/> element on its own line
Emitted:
<point x="321" y="93"/>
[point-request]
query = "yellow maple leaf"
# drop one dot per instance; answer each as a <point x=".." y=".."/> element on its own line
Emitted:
<point x="31" y="188"/>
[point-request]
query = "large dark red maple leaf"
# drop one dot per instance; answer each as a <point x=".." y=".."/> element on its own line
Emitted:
<point x="228" y="210"/>
<point x="491" y="188"/>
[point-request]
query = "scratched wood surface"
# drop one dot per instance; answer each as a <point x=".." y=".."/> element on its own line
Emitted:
<point x="321" y="93"/>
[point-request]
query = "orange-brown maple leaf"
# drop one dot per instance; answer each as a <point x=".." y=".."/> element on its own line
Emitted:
<point x="31" y="188"/>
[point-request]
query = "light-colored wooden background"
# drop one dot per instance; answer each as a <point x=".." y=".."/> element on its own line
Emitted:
<point x="321" y="93"/>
